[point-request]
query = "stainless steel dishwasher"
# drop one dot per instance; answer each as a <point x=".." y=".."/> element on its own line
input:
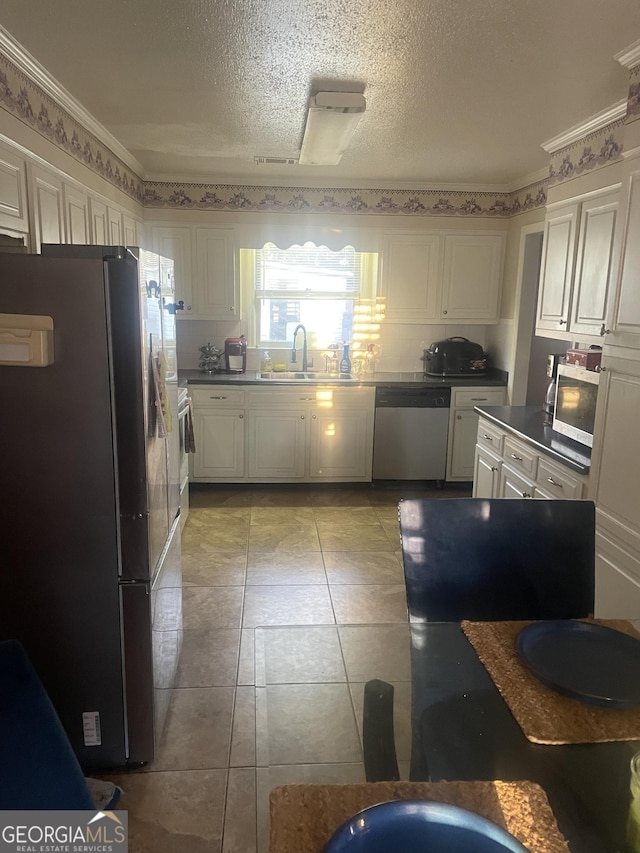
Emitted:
<point x="410" y="438"/>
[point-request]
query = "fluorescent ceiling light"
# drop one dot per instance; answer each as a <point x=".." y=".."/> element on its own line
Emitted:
<point x="331" y="121"/>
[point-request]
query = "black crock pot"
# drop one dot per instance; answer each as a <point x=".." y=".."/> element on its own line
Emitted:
<point x="455" y="357"/>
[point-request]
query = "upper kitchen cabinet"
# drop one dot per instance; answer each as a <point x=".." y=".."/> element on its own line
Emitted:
<point x="13" y="193"/>
<point x="472" y="278"/>
<point x="623" y="323"/>
<point x="429" y="278"/>
<point x="46" y="207"/>
<point x="204" y="269"/>
<point x="99" y="222"/>
<point x="410" y="274"/>
<point x="577" y="269"/>
<point x="77" y="215"/>
<point x="116" y="232"/>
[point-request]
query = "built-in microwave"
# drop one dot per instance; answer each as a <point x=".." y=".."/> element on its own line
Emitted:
<point x="574" y="413"/>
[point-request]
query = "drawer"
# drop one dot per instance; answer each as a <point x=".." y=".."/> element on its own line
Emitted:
<point x="274" y="398"/>
<point x="520" y="457"/>
<point x="217" y="395"/>
<point x="490" y="437"/>
<point x="477" y="397"/>
<point x="557" y="482"/>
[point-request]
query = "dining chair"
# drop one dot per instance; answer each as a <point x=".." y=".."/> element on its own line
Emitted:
<point x="490" y="559"/>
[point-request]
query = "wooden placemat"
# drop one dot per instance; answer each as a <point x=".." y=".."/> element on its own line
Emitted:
<point x="304" y="817"/>
<point x="544" y="715"/>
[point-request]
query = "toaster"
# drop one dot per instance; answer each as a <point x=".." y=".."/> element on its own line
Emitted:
<point x="455" y="357"/>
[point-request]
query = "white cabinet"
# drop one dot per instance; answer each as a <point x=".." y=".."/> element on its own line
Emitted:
<point x="76" y="211"/>
<point x="313" y="433"/>
<point x="615" y="486"/>
<point x="463" y="428"/>
<point x="177" y="243"/>
<point x="204" y="260"/>
<point x="13" y="192"/>
<point x="434" y="277"/>
<point x="219" y="433"/>
<point x="115" y="227"/>
<point x="46" y="207"/>
<point x="472" y="277"/>
<point x="623" y="322"/>
<point x="316" y="433"/>
<point x="578" y="267"/>
<point x="99" y="222"/>
<point x="410" y="276"/>
<point x="129" y="232"/>
<point x="508" y="467"/>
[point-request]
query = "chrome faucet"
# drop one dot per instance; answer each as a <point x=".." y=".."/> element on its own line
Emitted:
<point x="305" y="365"/>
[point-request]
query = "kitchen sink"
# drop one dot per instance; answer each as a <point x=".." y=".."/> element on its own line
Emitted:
<point x="307" y="376"/>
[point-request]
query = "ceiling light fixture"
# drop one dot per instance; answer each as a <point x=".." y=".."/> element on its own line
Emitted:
<point x="331" y="121"/>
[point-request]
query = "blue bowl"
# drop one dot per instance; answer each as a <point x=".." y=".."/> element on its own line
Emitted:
<point x="420" y="826"/>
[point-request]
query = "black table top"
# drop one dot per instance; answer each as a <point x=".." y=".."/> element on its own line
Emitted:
<point x="463" y="729"/>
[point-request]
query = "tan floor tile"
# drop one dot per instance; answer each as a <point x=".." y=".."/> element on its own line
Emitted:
<point x="240" y="816"/>
<point x="287" y="605"/>
<point x="365" y="537"/>
<point x="355" y="605"/>
<point x="292" y="536"/>
<point x="281" y="515"/>
<point x="387" y="513"/>
<point x="293" y="655"/>
<point x="305" y="724"/>
<point x="217" y="568"/>
<point x="197" y="733"/>
<point x="209" y="658"/>
<point x="346" y="516"/>
<point x="246" y="664"/>
<point x="219" y="537"/>
<point x="201" y="519"/>
<point x="174" y="811"/>
<point x="353" y="567"/>
<point x="206" y="496"/>
<point x="281" y="496"/>
<point x="209" y="607"/>
<point x="283" y="567"/>
<point x="392" y="529"/>
<point x="243" y="733"/>
<point x="376" y="651"/>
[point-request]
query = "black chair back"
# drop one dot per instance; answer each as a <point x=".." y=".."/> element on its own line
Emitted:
<point x="495" y="559"/>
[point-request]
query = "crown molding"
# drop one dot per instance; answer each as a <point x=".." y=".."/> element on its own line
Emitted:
<point x="38" y="75"/>
<point x="630" y="56"/>
<point x="591" y="125"/>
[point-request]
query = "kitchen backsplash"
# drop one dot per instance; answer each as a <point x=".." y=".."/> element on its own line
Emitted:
<point x="401" y="345"/>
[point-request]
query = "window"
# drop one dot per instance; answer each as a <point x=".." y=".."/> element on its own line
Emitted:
<point x="308" y="284"/>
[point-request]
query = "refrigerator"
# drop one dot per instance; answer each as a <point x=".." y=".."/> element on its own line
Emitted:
<point x="90" y="575"/>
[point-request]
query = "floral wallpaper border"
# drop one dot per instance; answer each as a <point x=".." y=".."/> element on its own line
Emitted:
<point x="26" y="100"/>
<point x="633" y="99"/>
<point x="600" y="148"/>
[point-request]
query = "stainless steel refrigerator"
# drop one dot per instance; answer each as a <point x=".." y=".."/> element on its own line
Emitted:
<point x="90" y="577"/>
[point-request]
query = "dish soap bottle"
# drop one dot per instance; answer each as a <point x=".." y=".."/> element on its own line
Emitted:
<point x="345" y="361"/>
<point x="265" y="363"/>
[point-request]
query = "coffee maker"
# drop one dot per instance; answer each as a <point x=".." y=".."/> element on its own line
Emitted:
<point x="553" y="360"/>
<point x="235" y="353"/>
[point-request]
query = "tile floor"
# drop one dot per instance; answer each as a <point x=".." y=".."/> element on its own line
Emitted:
<point x="293" y="597"/>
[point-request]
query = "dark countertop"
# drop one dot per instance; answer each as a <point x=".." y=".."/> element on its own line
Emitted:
<point x="412" y="380"/>
<point x="527" y="423"/>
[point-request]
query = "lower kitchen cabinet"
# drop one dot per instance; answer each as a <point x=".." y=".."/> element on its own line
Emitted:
<point x="220" y="435"/>
<point x="463" y="428"/>
<point x="307" y="433"/>
<point x="506" y="467"/>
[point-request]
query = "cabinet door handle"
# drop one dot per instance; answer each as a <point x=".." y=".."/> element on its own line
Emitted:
<point x="604" y="331"/>
<point x="526" y="495"/>
<point x="231" y="308"/>
<point x="516" y="457"/>
<point x="561" y="322"/>
<point x="488" y="437"/>
<point x="445" y="311"/>
<point x="493" y="468"/>
<point x="478" y="399"/>
<point x="314" y="417"/>
<point x="301" y="417"/>
<point x="308" y="399"/>
<point x="553" y="483"/>
<point x="459" y="417"/>
<point x="241" y="416"/>
<point x="218" y="398"/>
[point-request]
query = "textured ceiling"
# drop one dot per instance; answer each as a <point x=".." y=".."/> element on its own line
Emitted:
<point x="458" y="91"/>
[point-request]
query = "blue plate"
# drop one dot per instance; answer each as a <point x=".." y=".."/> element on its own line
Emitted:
<point x="420" y="826"/>
<point x="583" y="660"/>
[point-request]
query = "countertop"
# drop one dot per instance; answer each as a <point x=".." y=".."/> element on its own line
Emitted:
<point x="527" y="423"/>
<point x="412" y="380"/>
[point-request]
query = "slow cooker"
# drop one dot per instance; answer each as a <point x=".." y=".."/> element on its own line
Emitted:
<point x="455" y="356"/>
